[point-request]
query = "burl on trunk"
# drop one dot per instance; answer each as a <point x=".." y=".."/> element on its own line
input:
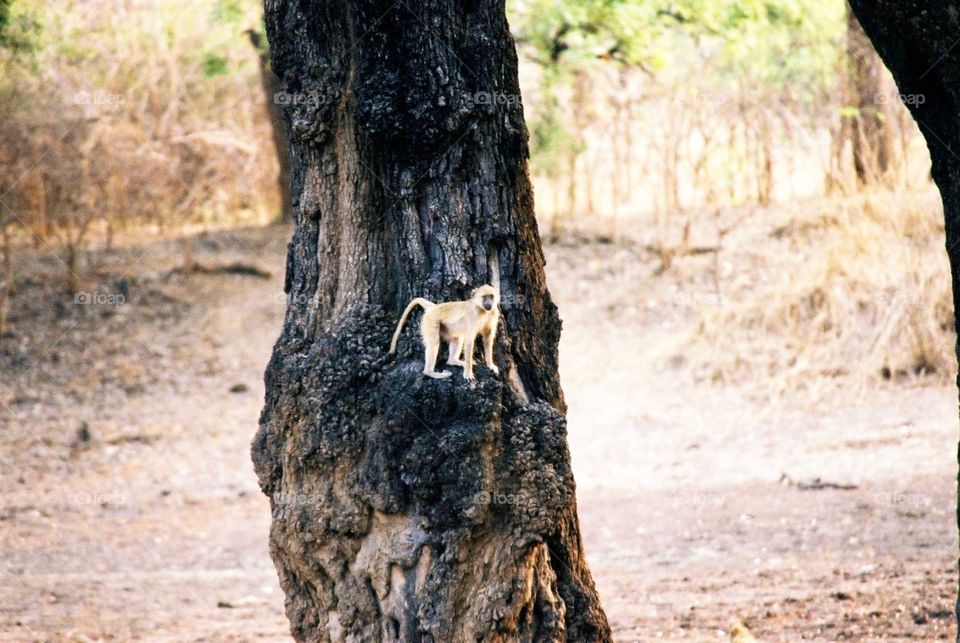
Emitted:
<point x="407" y="508"/>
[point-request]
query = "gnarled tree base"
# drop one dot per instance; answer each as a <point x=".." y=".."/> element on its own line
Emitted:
<point x="412" y="509"/>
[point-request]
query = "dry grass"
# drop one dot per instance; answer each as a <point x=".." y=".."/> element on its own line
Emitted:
<point x="138" y="116"/>
<point x="131" y="114"/>
<point x="859" y="290"/>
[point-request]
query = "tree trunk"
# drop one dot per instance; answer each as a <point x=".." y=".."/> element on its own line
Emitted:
<point x="278" y="125"/>
<point x="408" y="508"/>
<point x="918" y="42"/>
<point x="867" y="88"/>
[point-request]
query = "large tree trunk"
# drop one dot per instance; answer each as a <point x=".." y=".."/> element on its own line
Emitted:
<point x="867" y="88"/>
<point x="407" y="508"/>
<point x="918" y="42"/>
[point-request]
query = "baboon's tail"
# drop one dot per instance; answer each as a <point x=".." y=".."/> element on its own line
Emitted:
<point x="418" y="301"/>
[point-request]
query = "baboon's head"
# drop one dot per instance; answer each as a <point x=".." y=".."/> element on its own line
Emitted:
<point x="486" y="297"/>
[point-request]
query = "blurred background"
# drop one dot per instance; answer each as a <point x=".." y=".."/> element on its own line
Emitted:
<point x="741" y="235"/>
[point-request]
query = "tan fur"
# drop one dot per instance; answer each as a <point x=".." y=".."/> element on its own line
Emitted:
<point x="458" y="323"/>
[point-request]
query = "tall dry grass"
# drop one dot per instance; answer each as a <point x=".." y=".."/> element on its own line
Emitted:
<point x="133" y="115"/>
<point x="669" y="145"/>
<point x="855" y="289"/>
<point x="144" y="115"/>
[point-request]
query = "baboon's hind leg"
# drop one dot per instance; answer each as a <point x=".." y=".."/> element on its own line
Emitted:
<point x="431" y="343"/>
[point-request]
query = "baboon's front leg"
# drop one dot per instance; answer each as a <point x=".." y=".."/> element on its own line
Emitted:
<point x="468" y="359"/>
<point x="488" y="341"/>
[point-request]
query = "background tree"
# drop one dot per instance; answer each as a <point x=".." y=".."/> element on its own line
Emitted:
<point x="407" y="508"/>
<point x="278" y="127"/>
<point x="919" y="45"/>
<point x="869" y="115"/>
<point x="722" y="84"/>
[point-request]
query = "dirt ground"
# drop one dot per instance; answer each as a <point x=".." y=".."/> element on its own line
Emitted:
<point x="129" y="509"/>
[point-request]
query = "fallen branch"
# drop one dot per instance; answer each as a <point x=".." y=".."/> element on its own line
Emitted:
<point x="817" y="484"/>
<point x="195" y="268"/>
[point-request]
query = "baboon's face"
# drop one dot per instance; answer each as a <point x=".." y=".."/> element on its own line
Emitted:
<point x="485" y="297"/>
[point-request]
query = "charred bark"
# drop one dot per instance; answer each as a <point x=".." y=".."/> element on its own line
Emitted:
<point x="918" y="43"/>
<point x="406" y="508"/>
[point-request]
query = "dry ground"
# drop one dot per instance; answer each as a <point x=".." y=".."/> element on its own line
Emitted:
<point x="129" y="508"/>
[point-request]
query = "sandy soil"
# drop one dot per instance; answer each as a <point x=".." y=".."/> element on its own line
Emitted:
<point x="129" y="509"/>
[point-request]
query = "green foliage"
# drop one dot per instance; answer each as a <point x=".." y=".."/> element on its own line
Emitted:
<point x="584" y="30"/>
<point x="778" y="43"/>
<point x="226" y="18"/>
<point x="550" y="143"/>
<point x="776" y="49"/>
<point x="229" y="11"/>
<point x="20" y="30"/>
<point x="214" y="65"/>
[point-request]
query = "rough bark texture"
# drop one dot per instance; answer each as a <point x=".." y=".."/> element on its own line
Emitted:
<point x="406" y="508"/>
<point x="918" y="41"/>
